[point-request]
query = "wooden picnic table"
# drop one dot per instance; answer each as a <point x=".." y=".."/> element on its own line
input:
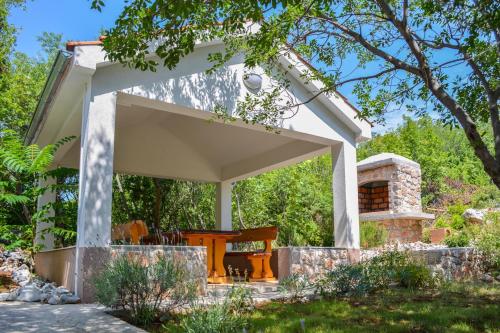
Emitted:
<point x="214" y="240"/>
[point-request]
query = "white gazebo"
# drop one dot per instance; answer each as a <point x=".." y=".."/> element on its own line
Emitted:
<point x="160" y="124"/>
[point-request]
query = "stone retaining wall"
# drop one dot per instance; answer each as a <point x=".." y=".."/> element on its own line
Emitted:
<point x="461" y="263"/>
<point x="59" y="265"/>
<point x="309" y="261"/>
<point x="193" y="258"/>
<point x="451" y="263"/>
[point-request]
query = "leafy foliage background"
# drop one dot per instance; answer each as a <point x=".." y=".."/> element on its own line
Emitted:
<point x="298" y="199"/>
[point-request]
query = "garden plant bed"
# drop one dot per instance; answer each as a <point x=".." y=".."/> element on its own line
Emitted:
<point x="456" y="308"/>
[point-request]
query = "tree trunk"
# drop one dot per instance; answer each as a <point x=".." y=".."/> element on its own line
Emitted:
<point x="490" y="164"/>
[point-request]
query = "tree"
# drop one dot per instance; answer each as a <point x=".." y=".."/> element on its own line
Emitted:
<point x="7" y="34"/>
<point x="23" y="83"/>
<point x="451" y="173"/>
<point x="420" y="56"/>
<point x="21" y="168"/>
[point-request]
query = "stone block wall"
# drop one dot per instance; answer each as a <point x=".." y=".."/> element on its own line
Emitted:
<point x="402" y="230"/>
<point x="454" y="264"/>
<point x="309" y="261"/>
<point x="406" y="189"/>
<point x="404" y="185"/>
<point x="59" y="265"/>
<point x="313" y="262"/>
<point x="193" y="258"/>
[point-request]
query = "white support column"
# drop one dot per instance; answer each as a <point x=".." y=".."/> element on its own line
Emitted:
<point x="96" y="171"/>
<point x="345" y="196"/>
<point x="42" y="237"/>
<point x="223" y="216"/>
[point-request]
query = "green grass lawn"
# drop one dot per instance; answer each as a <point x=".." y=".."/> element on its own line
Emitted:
<point x="464" y="308"/>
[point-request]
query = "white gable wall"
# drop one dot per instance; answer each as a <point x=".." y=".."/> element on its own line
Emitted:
<point x="188" y="85"/>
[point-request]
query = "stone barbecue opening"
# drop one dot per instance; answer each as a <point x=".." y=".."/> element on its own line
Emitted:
<point x="373" y="197"/>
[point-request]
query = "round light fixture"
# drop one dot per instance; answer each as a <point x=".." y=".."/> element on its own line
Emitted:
<point x="252" y="81"/>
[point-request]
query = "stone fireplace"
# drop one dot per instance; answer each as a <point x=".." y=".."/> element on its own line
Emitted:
<point x="389" y="193"/>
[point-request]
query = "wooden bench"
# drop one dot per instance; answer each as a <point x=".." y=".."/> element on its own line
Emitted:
<point x="133" y="231"/>
<point x="259" y="260"/>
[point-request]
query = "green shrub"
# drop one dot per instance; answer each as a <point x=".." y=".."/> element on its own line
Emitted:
<point x="488" y="242"/>
<point x="486" y="196"/>
<point x="458" y="239"/>
<point x="381" y="272"/>
<point x="295" y="285"/>
<point x="225" y="317"/>
<point x="384" y="268"/>
<point x="457" y="222"/>
<point x="452" y="218"/>
<point x="214" y="319"/>
<point x="441" y="222"/>
<point x="372" y="234"/>
<point x="346" y="280"/>
<point x="426" y="235"/>
<point x="143" y="290"/>
<point x="457" y="209"/>
<point x="239" y="300"/>
<point x="415" y="276"/>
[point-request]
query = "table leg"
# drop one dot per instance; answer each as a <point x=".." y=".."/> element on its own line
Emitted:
<point x="219" y="252"/>
<point x="208" y="242"/>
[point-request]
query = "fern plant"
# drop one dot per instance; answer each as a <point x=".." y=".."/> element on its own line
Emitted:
<point x="21" y="168"/>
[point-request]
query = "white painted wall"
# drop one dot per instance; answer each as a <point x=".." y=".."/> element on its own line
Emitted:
<point x="223" y="216"/>
<point x="42" y="237"/>
<point x="345" y="196"/>
<point x="189" y="86"/>
<point x="96" y="170"/>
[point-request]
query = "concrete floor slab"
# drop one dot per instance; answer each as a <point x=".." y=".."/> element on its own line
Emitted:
<point x="21" y="317"/>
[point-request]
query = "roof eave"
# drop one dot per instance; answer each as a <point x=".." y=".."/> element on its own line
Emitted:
<point x="54" y="79"/>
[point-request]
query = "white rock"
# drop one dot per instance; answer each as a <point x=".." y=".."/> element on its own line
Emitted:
<point x="12" y="296"/>
<point x="24" y="267"/>
<point x="4" y="296"/>
<point x="21" y="275"/>
<point x="54" y="300"/>
<point x="30" y="293"/>
<point x="44" y="298"/>
<point x="473" y="215"/>
<point x="62" y="291"/>
<point x="48" y="287"/>
<point x="24" y="283"/>
<point x="69" y="299"/>
<point x="487" y="278"/>
<point x="16" y="256"/>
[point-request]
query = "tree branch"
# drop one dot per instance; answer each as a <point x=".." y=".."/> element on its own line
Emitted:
<point x="341" y="83"/>
<point x="491" y="164"/>
<point x="376" y="51"/>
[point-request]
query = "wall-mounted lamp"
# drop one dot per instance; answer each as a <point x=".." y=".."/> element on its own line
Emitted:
<point x="252" y="81"/>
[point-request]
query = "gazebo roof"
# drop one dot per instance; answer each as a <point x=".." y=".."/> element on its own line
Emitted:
<point x="164" y="126"/>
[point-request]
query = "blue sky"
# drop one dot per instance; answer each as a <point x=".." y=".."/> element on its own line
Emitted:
<point x="72" y="18"/>
<point x="76" y="21"/>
